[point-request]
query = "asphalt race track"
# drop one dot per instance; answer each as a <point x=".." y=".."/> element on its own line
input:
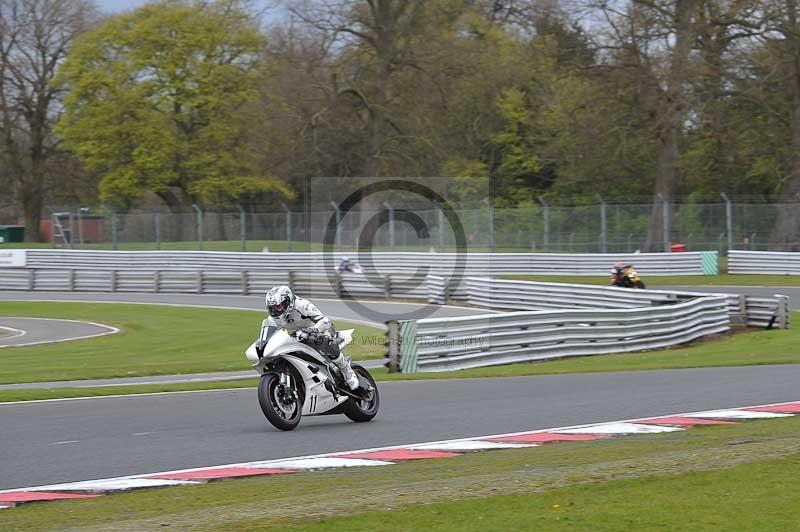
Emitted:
<point x="333" y="307"/>
<point x="50" y="442"/>
<point x="62" y="441"/>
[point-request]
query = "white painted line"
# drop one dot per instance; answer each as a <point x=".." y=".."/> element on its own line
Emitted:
<point x="620" y="428"/>
<point x="112" y="484"/>
<point x="470" y="445"/>
<point x="220" y="307"/>
<point x="317" y="463"/>
<point x="130" y="395"/>
<point x="171" y="381"/>
<point x="739" y="414"/>
<point x="18" y="332"/>
<point x="63" y="442"/>
<point x="110" y="330"/>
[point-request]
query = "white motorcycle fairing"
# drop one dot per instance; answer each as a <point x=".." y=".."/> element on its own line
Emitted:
<point x="312" y="366"/>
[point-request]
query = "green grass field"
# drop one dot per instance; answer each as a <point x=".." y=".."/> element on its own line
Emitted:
<point x="735" y="477"/>
<point x="155" y="340"/>
<point x="743" y="349"/>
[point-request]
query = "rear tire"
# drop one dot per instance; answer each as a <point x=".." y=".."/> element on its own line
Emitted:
<point x="282" y="415"/>
<point x="363" y="410"/>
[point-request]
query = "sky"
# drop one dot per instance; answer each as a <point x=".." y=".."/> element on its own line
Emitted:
<point x="115" y="6"/>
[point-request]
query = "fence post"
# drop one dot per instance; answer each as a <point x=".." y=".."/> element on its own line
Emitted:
<point x="440" y="214"/>
<point x="288" y="225"/>
<point x="243" y="226"/>
<point x="603" y="225"/>
<point x="71" y="231"/>
<point x="387" y="285"/>
<point x="199" y="224"/>
<point x="783" y="314"/>
<point x="391" y="224"/>
<point x="114" y="230"/>
<point x="200" y="282"/>
<point x="665" y="220"/>
<point x="113" y="281"/>
<point x="728" y="219"/>
<point x="490" y="214"/>
<point x="393" y="351"/>
<point x="245" y="283"/>
<point x="338" y="285"/>
<point x="71" y="280"/>
<point x="80" y="226"/>
<point x="31" y="280"/>
<point x="290" y="280"/>
<point x="158" y="228"/>
<point x="546" y="235"/>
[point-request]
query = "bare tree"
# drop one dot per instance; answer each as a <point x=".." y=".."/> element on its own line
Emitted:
<point x="35" y="37"/>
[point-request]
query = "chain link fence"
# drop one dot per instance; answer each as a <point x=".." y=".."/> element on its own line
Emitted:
<point x="599" y="228"/>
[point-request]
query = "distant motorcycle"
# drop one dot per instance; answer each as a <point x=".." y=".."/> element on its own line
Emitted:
<point x="297" y="380"/>
<point x="625" y="276"/>
<point x="347" y="265"/>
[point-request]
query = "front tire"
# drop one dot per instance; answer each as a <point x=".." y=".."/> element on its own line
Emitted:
<point x="638" y="284"/>
<point x="363" y="410"/>
<point x="282" y="413"/>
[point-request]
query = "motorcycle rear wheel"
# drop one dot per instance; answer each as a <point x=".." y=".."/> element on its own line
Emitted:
<point x="363" y="410"/>
<point x="282" y="415"/>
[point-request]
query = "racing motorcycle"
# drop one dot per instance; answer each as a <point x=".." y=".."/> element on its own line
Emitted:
<point x="625" y="276"/>
<point x="297" y="380"/>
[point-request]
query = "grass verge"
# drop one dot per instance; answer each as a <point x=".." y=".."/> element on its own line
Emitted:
<point x="742" y="477"/>
<point x="745" y="349"/>
<point x="155" y="340"/>
<point x="721" y="280"/>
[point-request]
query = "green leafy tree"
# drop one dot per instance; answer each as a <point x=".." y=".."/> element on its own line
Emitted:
<point x="158" y="101"/>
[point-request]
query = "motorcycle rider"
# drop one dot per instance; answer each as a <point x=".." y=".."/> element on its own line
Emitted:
<point x="311" y="326"/>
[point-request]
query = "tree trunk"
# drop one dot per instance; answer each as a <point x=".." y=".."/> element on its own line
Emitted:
<point x="32" y="207"/>
<point x="671" y="118"/>
<point x="786" y="234"/>
<point x="178" y="208"/>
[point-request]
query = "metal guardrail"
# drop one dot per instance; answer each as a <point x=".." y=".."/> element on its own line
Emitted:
<point x="526" y="295"/>
<point x="440" y="344"/>
<point x="744" y="310"/>
<point x="765" y="262"/>
<point x="214" y="282"/>
<point x="649" y="264"/>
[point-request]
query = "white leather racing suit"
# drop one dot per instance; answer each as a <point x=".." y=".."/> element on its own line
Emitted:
<point x="304" y="314"/>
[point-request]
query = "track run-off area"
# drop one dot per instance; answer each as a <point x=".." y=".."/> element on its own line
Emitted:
<point x="69" y="440"/>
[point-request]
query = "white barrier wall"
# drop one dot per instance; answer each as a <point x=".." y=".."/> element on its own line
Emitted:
<point x="649" y="264"/>
<point x="755" y="262"/>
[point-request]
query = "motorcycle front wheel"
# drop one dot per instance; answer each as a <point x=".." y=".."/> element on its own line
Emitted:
<point x="364" y="409"/>
<point x="280" y="409"/>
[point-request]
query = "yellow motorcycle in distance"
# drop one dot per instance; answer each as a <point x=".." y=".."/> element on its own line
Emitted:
<point x="625" y="276"/>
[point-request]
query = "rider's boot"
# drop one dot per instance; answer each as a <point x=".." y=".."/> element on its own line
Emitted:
<point x="343" y="363"/>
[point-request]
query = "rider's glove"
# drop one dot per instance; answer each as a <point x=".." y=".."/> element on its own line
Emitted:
<point x="260" y="345"/>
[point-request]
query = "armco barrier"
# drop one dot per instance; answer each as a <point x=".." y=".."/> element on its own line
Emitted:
<point x="744" y="310"/>
<point x="765" y="262"/>
<point x="215" y="282"/>
<point x="440" y="344"/>
<point x="649" y="264"/>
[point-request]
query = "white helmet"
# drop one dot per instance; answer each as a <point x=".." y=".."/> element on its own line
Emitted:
<point x="279" y="301"/>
